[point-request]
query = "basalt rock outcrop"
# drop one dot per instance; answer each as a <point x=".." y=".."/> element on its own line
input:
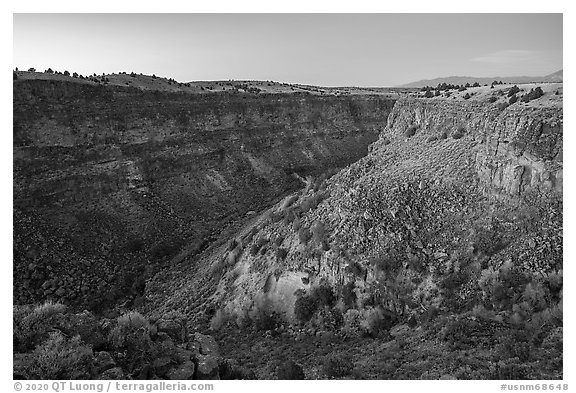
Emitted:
<point x="520" y="148"/>
<point x="50" y="342"/>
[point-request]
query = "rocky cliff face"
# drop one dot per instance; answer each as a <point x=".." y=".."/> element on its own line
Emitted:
<point x="518" y="150"/>
<point x="449" y="187"/>
<point x="109" y="180"/>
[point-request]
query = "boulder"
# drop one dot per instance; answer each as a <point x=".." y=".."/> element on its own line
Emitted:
<point x="113" y="373"/>
<point x="103" y="361"/>
<point x="399" y="330"/>
<point x="162" y="365"/>
<point x="173" y="328"/>
<point x="182" y="355"/>
<point x="289" y="370"/>
<point x="208" y="345"/>
<point x="207" y="367"/>
<point x="229" y="369"/>
<point x="87" y="326"/>
<point x="183" y="371"/>
<point x="447" y="377"/>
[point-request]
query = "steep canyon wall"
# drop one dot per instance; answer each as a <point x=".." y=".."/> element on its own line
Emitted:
<point x="109" y="180"/>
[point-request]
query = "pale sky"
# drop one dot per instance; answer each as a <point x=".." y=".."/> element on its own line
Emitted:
<point x="319" y="49"/>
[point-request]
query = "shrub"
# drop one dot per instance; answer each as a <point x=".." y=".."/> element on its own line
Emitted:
<point x="337" y="365"/>
<point x="459" y="133"/>
<point x="304" y="235"/>
<point x="278" y="240"/>
<point x="323" y="295"/>
<point x="385" y="264"/>
<point x="352" y="323"/>
<point x="304" y="308"/>
<point x="297" y="224"/>
<point x="348" y="294"/>
<point x="233" y="256"/>
<point x="467" y="96"/>
<point x="428" y="94"/>
<point x="327" y="319"/>
<point x="289" y="216"/>
<point x="503" y="105"/>
<point x="488" y="240"/>
<point x="411" y="131"/>
<point x="318" y="232"/>
<point x="232" y="244"/>
<point x="134" y="245"/>
<point x="31" y="69"/>
<point x="219" y="267"/>
<point x="534" y="94"/>
<point x="459" y="332"/>
<point x="257" y="246"/>
<point x="312" y="201"/>
<point x="289" y="370"/>
<point x="492" y="99"/>
<point x="265" y="318"/>
<point x="373" y="322"/>
<point x="14" y="76"/>
<point x="534" y="294"/>
<point x="275" y="217"/>
<point x="218" y="320"/>
<point x="32" y="325"/>
<point x="515" y="343"/>
<point x="167" y="247"/>
<point x="289" y="201"/>
<point x="513" y="368"/>
<point x="281" y="253"/>
<point x="131" y="338"/>
<point x="355" y="269"/>
<point x="66" y="73"/>
<point x="129" y="326"/>
<point x="501" y="287"/>
<point x="58" y="358"/>
<point x="513" y="90"/>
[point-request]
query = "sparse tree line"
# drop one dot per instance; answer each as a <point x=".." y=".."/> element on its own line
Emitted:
<point x="96" y="78"/>
<point x="93" y="78"/>
<point x="512" y="93"/>
<point x="531" y="95"/>
<point x="234" y="86"/>
<point x="430" y="91"/>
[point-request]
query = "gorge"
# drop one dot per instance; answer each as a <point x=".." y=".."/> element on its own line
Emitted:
<point x="386" y="232"/>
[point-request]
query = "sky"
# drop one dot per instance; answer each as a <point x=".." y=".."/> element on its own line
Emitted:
<point x="318" y="49"/>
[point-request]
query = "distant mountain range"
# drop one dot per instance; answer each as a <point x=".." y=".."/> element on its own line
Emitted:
<point x="459" y="80"/>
